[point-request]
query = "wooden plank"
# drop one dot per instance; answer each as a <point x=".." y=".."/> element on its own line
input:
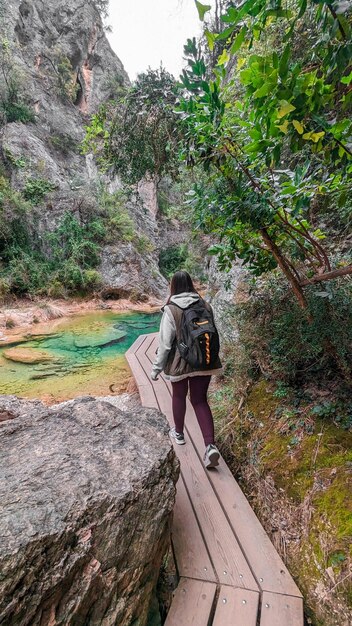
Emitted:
<point x="191" y="554"/>
<point x="270" y="571"/>
<point x="192" y="603"/>
<point x="281" y="610"/>
<point x="138" y="371"/>
<point x="226" y="555"/>
<point x="141" y="370"/>
<point x="132" y="349"/>
<point x="237" y="607"/>
<point x="151" y="351"/>
<point x="144" y="383"/>
<point x="148" y="340"/>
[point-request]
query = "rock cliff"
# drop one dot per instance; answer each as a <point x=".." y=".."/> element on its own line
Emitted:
<point x="57" y="56"/>
<point x="86" y="497"/>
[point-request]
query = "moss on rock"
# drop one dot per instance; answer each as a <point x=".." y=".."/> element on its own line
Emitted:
<point x="308" y="459"/>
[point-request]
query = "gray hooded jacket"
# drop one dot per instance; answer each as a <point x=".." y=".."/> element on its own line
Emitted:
<point x="167" y="334"/>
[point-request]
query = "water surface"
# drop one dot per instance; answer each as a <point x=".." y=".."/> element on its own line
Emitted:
<point x="85" y="352"/>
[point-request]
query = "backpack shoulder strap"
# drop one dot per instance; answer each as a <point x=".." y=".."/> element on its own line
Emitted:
<point x="177" y="313"/>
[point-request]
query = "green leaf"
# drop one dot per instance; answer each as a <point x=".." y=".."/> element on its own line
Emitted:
<point x="303" y="8"/>
<point x="224" y="57"/>
<point x="202" y="9"/>
<point x="284" y="127"/>
<point x="298" y="126"/>
<point x="238" y="41"/>
<point x="316" y="136"/>
<point x="283" y="65"/>
<point x="225" y="33"/>
<point x="263" y="90"/>
<point x="346" y="80"/>
<point x="210" y="39"/>
<point x="230" y="16"/>
<point x="285" y="108"/>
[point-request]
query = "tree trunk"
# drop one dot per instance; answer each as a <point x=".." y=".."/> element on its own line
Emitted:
<point x="282" y="263"/>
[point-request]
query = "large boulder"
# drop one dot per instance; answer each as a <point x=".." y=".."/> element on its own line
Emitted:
<point x="86" y="494"/>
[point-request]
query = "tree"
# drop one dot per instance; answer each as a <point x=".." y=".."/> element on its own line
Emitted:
<point x="274" y="136"/>
<point x="137" y="136"/>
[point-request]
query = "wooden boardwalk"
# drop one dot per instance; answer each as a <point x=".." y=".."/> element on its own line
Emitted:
<point x="229" y="572"/>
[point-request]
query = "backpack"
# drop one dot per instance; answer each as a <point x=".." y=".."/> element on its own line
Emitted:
<point x="198" y="339"/>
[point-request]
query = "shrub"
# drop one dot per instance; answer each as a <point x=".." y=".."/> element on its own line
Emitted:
<point x="4" y="289"/>
<point x="55" y="289"/>
<point x="17" y="112"/>
<point x="172" y="259"/>
<point x="10" y="323"/>
<point x="13" y="106"/>
<point x="67" y="86"/>
<point x="36" y="189"/>
<point x="26" y="273"/>
<point x="284" y="344"/>
<point x="143" y="244"/>
<point x="119" y="224"/>
<point x="64" y="143"/>
<point x="91" y="280"/>
<point x="121" y="227"/>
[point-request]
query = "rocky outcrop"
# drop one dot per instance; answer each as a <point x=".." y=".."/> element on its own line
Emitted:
<point x="86" y="494"/>
<point x="125" y="273"/>
<point x="27" y="355"/>
<point x="225" y="290"/>
<point x="65" y="69"/>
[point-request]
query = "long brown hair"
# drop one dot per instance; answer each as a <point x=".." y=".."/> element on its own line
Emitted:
<point x="181" y="282"/>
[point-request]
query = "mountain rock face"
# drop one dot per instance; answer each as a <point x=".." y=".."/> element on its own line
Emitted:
<point x="86" y="497"/>
<point x="226" y="290"/>
<point x="64" y="66"/>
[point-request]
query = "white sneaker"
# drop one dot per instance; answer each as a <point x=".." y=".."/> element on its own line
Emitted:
<point x="179" y="437"/>
<point x="211" y="456"/>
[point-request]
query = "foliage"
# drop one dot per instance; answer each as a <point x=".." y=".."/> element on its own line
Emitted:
<point x="136" y="136"/>
<point x="281" y="344"/>
<point x="143" y="244"/>
<point x="4" y="290"/>
<point x="17" y="111"/>
<point x="28" y="266"/>
<point x="36" y="189"/>
<point x="75" y="245"/>
<point x="13" y="104"/>
<point x="26" y="272"/>
<point x="13" y="210"/>
<point x="172" y="259"/>
<point x="273" y="134"/>
<point x="119" y="225"/>
<point x="67" y="85"/>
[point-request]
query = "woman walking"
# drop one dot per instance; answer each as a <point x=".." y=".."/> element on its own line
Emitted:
<point x="183" y="375"/>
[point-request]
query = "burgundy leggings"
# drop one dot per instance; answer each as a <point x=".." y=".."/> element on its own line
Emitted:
<point x="198" y="388"/>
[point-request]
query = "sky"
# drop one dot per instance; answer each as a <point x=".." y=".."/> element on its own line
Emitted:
<point x="146" y="32"/>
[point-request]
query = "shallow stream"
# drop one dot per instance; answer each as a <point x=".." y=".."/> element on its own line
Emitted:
<point x="74" y="357"/>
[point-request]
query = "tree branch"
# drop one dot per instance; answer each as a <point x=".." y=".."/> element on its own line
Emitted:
<point x="343" y="271"/>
